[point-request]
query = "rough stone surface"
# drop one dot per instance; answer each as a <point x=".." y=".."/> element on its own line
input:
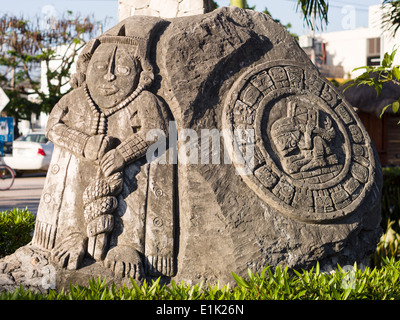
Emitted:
<point x="306" y="189"/>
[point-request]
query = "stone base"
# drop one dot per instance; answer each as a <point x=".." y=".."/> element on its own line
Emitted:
<point x="32" y="269"/>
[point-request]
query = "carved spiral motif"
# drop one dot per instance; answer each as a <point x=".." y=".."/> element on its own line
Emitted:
<point x="313" y="159"/>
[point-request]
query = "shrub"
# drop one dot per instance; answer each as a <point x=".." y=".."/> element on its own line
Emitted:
<point x="271" y="284"/>
<point x="391" y="197"/>
<point x="389" y="245"/>
<point x="16" y="227"/>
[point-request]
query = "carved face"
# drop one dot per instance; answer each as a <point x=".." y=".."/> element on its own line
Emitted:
<point x="112" y="75"/>
<point x="288" y="142"/>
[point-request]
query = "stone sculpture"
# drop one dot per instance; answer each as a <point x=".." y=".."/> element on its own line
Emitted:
<point x="303" y="186"/>
<point x="305" y="164"/>
<point x="96" y="190"/>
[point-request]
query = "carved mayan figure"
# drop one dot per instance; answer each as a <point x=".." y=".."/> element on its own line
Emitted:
<point x="300" y="140"/>
<point x="95" y="200"/>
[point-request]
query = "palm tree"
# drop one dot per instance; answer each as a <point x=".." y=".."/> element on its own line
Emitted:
<point x="309" y="8"/>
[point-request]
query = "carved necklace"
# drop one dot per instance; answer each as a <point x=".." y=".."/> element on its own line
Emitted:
<point x="99" y="125"/>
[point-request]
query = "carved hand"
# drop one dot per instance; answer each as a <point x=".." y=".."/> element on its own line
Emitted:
<point x="112" y="162"/>
<point x="71" y="251"/>
<point x="97" y="146"/>
<point x="125" y="261"/>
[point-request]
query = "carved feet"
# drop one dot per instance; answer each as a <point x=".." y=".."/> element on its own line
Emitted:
<point x="70" y="252"/>
<point x="125" y="261"/>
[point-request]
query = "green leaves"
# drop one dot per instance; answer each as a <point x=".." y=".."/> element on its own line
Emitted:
<point x="344" y="283"/>
<point x="15" y="230"/>
<point x="272" y="283"/>
<point x="376" y="77"/>
<point x="395" y="106"/>
<point x="309" y="8"/>
<point x="396" y="73"/>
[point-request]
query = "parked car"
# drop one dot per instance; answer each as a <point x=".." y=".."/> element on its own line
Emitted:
<point x="31" y="152"/>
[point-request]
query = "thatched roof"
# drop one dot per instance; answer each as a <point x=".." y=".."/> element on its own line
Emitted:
<point x="365" y="98"/>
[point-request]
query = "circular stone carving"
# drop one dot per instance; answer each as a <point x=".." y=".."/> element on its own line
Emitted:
<point x="312" y="158"/>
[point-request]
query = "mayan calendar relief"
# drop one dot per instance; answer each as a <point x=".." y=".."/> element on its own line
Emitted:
<point x="313" y="158"/>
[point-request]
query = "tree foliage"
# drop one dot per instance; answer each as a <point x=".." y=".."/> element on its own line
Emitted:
<point x="377" y="76"/>
<point x="26" y="46"/>
<point x="312" y="9"/>
<point x="391" y="15"/>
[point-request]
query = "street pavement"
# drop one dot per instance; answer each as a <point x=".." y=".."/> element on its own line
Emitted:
<point x="25" y="192"/>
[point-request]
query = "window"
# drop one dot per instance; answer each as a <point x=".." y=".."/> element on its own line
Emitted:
<point x="41" y="138"/>
<point x="373" y="51"/>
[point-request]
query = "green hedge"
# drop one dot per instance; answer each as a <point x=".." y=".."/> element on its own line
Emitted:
<point x="16" y="227"/>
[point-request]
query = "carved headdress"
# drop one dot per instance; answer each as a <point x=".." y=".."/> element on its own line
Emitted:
<point x="137" y="37"/>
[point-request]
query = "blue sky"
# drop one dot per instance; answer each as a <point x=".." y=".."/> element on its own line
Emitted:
<point x="342" y="14"/>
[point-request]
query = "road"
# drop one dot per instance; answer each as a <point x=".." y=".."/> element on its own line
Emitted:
<point x="25" y="192"/>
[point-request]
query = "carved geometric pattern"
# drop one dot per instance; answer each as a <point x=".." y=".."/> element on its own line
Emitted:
<point x="316" y="164"/>
<point x="133" y="148"/>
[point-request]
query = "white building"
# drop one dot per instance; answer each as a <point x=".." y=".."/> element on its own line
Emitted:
<point x="338" y="53"/>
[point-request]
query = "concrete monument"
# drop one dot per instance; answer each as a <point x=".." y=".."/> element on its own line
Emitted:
<point x="198" y="146"/>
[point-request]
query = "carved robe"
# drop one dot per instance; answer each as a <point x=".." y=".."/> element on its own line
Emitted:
<point x="144" y="218"/>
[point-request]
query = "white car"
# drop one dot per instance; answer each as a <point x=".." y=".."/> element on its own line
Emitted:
<point x="31" y="152"/>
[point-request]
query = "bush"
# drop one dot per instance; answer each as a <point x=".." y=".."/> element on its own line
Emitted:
<point x="16" y="227"/>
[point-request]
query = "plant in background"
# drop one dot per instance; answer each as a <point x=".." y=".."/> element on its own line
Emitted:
<point x="391" y="15"/>
<point x="377" y="76"/>
<point x="389" y="244"/>
<point x="310" y="9"/>
<point x="28" y="45"/>
<point x="16" y="227"/>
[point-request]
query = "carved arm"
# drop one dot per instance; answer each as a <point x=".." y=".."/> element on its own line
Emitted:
<point x="75" y="141"/>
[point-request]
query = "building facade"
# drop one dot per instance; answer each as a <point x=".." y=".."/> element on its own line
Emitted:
<point x="338" y="53"/>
